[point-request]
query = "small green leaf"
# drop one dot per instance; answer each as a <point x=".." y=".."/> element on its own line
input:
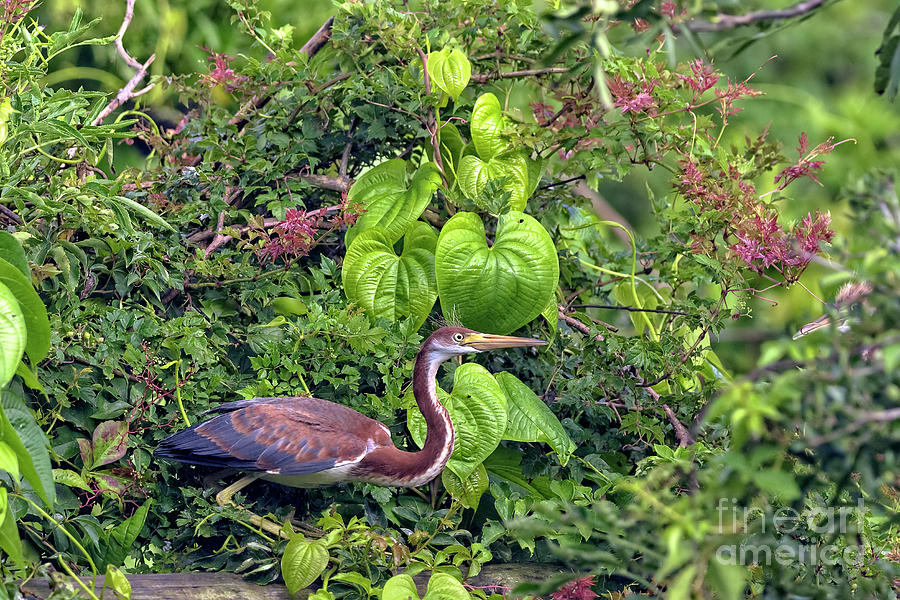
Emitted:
<point x="9" y="533"/>
<point x="287" y="305"/>
<point x="449" y="70"/>
<point x="486" y="126"/>
<point x="28" y="377"/>
<point x="71" y="479"/>
<point x="302" y="563"/>
<point x="467" y="491"/>
<point x="511" y="168"/>
<point x="500" y="288"/>
<point x="117" y="581"/>
<point x="121" y="538"/>
<point x="778" y="483"/>
<point x="531" y="420"/>
<point x="37" y="338"/>
<point x="388" y="202"/>
<point x="400" y="587"/>
<point x="143" y="211"/>
<point x="391" y="286"/>
<point x="477" y="408"/>
<point x="12" y="335"/>
<point x="109" y="442"/>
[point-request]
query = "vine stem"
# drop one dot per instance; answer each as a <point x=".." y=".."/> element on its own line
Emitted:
<point x="67" y="533"/>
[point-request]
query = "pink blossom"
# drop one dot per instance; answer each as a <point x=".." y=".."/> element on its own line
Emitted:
<point x="579" y="589"/>
<point x="703" y="77"/>
<point x="805" y="167"/>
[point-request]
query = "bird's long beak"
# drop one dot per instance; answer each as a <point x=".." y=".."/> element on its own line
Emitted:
<point x="488" y="341"/>
<point x="823" y="321"/>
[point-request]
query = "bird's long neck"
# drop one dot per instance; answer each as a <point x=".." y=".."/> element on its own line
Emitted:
<point x="389" y="465"/>
<point x="439" y="434"/>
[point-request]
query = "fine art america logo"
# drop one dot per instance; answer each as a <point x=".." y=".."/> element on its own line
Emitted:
<point x="831" y="522"/>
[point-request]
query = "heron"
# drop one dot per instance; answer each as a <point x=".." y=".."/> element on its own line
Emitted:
<point x="308" y="442"/>
<point x="850" y="295"/>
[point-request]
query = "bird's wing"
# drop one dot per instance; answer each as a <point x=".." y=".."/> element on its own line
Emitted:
<point x="287" y="436"/>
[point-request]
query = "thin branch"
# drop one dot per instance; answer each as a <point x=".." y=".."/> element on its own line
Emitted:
<point x="632" y="309"/>
<point x="604" y="210"/>
<point x="563" y="182"/>
<point x="722" y="22"/>
<point x="128" y="91"/>
<point x="433" y="129"/>
<point x="126" y="21"/>
<point x="338" y="184"/>
<point x="684" y="436"/>
<point x="485" y="77"/>
<point x="9" y="214"/>
<point x="878" y="416"/>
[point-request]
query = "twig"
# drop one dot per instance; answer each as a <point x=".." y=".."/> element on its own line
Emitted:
<point x="485" y="77"/>
<point x="632" y="309"/>
<point x="578" y="325"/>
<point x="126" y="21"/>
<point x="563" y="182"/>
<point x="219" y="239"/>
<point x="878" y="416"/>
<point x="128" y="91"/>
<point x="338" y="184"/>
<point x="684" y="436"/>
<point x="11" y="215"/>
<point x="722" y="21"/>
<point x="433" y="128"/>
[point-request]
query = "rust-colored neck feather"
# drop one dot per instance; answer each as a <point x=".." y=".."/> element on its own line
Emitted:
<point x="391" y="466"/>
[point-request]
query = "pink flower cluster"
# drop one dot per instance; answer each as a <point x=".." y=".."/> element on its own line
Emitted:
<point x="579" y="589"/>
<point x="221" y="73"/>
<point x="806" y="166"/>
<point x="702" y="77"/>
<point x="295" y="235"/>
<point x="633" y="97"/>
<point x="752" y="229"/>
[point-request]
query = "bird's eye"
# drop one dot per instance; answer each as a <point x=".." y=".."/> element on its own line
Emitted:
<point x="457" y="337"/>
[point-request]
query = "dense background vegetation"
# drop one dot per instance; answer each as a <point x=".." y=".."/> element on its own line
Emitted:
<point x="205" y="241"/>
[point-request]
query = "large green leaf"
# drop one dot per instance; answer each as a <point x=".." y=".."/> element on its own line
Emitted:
<point x="302" y="563"/>
<point x="486" y="126"/>
<point x="449" y="70"/>
<point x="9" y="533"/>
<point x="391" y="286"/>
<point x="477" y="408"/>
<point x="388" y="202"/>
<point x="500" y="288"/>
<point x="12" y="334"/>
<point x="20" y="431"/>
<point x="467" y="491"/>
<point x="121" y="538"/>
<point x="11" y="251"/>
<point x="530" y="420"/>
<point x="510" y="169"/>
<point x="37" y="342"/>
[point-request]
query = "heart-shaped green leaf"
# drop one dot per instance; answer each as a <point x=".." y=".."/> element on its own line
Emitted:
<point x="495" y="289"/>
<point x="467" y="491"/>
<point x="512" y="169"/>
<point x="477" y="407"/>
<point x="391" y="286"/>
<point x="530" y="420"/>
<point x="12" y="334"/>
<point x="450" y="71"/>
<point x="11" y="251"/>
<point x="388" y="201"/>
<point x="486" y="127"/>
<point x="302" y="563"/>
<point x="443" y="586"/>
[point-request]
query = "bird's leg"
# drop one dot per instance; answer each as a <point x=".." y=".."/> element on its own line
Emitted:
<point x="223" y="499"/>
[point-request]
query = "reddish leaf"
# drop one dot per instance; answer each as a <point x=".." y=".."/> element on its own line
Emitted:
<point x="110" y="442"/>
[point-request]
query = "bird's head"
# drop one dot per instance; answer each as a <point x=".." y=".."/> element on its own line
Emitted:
<point x="453" y="341"/>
